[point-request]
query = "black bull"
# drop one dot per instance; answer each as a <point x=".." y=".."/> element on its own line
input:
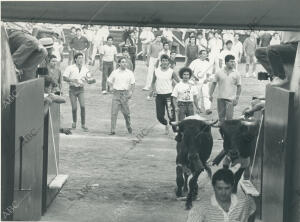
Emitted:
<point x="238" y="144"/>
<point x="194" y="146"/>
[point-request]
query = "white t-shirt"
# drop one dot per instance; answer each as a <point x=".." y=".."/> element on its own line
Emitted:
<point x="108" y="53"/>
<point x="225" y="53"/>
<point x="148" y="36"/>
<point x="227" y="83"/>
<point x="201" y="69"/>
<point x="184" y="92"/>
<point x="164" y="81"/>
<point x="237" y="48"/>
<point x="101" y="36"/>
<point x="72" y="72"/>
<point x="121" y="79"/>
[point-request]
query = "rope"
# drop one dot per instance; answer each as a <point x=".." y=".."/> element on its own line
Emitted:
<point x="51" y="126"/>
<point x="256" y="145"/>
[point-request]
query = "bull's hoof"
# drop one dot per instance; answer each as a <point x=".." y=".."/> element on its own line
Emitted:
<point x="188" y="206"/>
<point x="178" y="192"/>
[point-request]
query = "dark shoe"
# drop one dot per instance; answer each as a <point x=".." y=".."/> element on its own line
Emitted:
<point x="85" y="129"/>
<point x="112" y="133"/>
<point x="130" y="130"/>
<point x="73" y="125"/>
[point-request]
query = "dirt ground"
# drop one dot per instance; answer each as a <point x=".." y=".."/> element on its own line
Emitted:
<point x="112" y="178"/>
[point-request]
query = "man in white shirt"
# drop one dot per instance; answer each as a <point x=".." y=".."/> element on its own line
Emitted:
<point x="76" y="75"/>
<point x="146" y="38"/>
<point x="228" y="50"/>
<point x="122" y="82"/>
<point x="201" y="41"/>
<point x="214" y="47"/>
<point x="237" y="47"/>
<point x="201" y="71"/>
<point x="229" y="82"/>
<point x="98" y="42"/>
<point x="108" y="55"/>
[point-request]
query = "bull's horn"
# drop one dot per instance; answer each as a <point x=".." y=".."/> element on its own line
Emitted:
<point x="248" y="123"/>
<point x="175" y="123"/>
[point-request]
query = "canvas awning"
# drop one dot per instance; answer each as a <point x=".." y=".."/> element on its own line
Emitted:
<point x="233" y="14"/>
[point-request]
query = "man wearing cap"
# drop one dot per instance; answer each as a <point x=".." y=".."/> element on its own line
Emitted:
<point x="27" y="52"/>
<point x="76" y="75"/>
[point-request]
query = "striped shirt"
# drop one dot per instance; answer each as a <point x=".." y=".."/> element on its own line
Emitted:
<point x="211" y="211"/>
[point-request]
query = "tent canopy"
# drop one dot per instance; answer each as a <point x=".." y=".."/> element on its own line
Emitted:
<point x="233" y="14"/>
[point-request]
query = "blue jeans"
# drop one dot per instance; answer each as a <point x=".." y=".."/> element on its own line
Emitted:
<point x="74" y="93"/>
<point x="108" y="67"/>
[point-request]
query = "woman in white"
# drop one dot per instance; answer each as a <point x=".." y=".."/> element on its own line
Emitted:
<point x="184" y="95"/>
<point x="162" y="87"/>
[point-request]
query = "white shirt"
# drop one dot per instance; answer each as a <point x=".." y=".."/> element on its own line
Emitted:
<point x="227" y="83"/>
<point x="202" y="43"/>
<point x="57" y="49"/>
<point x="108" y="53"/>
<point x="184" y="92"/>
<point x="237" y="48"/>
<point x="164" y="81"/>
<point x="148" y="36"/>
<point x="121" y="79"/>
<point x="200" y="68"/>
<point x="226" y="52"/>
<point x="275" y="41"/>
<point x="168" y="34"/>
<point x="72" y="72"/>
<point x="101" y="36"/>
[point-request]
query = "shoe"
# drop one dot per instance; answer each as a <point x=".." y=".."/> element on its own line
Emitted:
<point x="208" y="112"/>
<point x="85" y="129"/>
<point x="129" y="130"/>
<point x="278" y="82"/>
<point x="104" y="92"/>
<point x="247" y="75"/>
<point x="73" y="125"/>
<point x="112" y="133"/>
<point x="254" y="74"/>
<point x="146" y="89"/>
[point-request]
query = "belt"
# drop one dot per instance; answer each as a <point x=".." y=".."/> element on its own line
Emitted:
<point x="185" y="102"/>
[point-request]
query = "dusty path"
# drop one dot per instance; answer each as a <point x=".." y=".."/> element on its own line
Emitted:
<point x="114" y="179"/>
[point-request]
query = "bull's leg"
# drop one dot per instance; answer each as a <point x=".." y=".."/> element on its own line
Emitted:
<point x="192" y="192"/>
<point x="185" y="187"/>
<point x="179" y="180"/>
<point x="237" y="176"/>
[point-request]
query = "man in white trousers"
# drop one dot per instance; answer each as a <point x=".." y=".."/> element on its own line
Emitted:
<point x="202" y="68"/>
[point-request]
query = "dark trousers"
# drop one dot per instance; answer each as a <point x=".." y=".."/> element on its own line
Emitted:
<point x="108" y="67"/>
<point x="133" y="58"/>
<point x="164" y="102"/>
<point x="77" y="93"/>
<point x="272" y="58"/>
<point x="185" y="109"/>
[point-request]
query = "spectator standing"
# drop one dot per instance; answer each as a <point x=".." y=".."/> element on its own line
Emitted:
<point x="55" y="74"/>
<point x="185" y="95"/>
<point x="122" y="82"/>
<point x="162" y="88"/>
<point x="126" y="56"/>
<point x="250" y="45"/>
<point x="172" y="59"/>
<point x="89" y="35"/>
<point x="72" y="36"/>
<point x="275" y="39"/>
<point x="214" y="48"/>
<point x="264" y="39"/>
<point x="154" y="50"/>
<point x="58" y="49"/>
<point x="164" y="51"/>
<point x="201" y="42"/>
<point x="237" y="47"/>
<point x="130" y="44"/>
<point x="75" y="75"/>
<point x="80" y="44"/>
<point x="108" y="56"/>
<point x="229" y="83"/>
<point x="146" y="38"/>
<point x="192" y="51"/>
<point x="228" y="35"/>
<point x="223" y="205"/>
<point x="201" y="69"/>
<point x="98" y="42"/>
<point x="228" y="50"/>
